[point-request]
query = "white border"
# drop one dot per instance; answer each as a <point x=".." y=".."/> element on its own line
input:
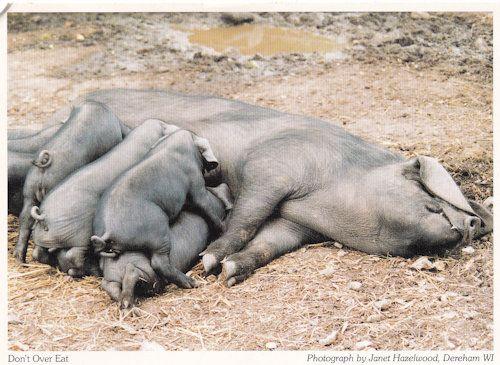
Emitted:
<point x="221" y="357"/>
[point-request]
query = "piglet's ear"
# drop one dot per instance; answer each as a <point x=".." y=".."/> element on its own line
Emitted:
<point x="210" y="162"/>
<point x="439" y="183"/>
<point x="43" y="160"/>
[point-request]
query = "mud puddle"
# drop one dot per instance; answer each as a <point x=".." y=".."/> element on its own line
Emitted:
<point x="250" y="39"/>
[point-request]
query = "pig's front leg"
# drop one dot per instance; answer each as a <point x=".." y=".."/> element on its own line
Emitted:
<point x="257" y="200"/>
<point x="112" y="288"/>
<point x="275" y="238"/>
<point x="25" y="225"/>
<point x="130" y="279"/>
<point x="205" y="203"/>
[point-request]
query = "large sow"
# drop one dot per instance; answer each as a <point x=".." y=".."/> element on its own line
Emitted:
<point x="296" y="177"/>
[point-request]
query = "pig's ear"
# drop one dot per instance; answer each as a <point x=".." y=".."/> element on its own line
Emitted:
<point x="43" y="160"/>
<point x="168" y="129"/>
<point x="439" y="183"/>
<point x="210" y="162"/>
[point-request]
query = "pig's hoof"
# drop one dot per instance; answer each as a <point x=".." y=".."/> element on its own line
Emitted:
<point x="210" y="262"/>
<point x="125" y="304"/>
<point x="20" y="257"/>
<point x="228" y="269"/>
<point x="195" y="283"/>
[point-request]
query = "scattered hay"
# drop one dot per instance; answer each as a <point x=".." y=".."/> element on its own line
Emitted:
<point x="287" y="304"/>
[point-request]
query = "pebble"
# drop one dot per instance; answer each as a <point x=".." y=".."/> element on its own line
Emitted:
<point x="469" y="250"/>
<point x="440" y="265"/>
<point x="420" y="15"/>
<point x="80" y="38"/>
<point x="335" y="56"/>
<point x="151" y="346"/>
<point x="341" y="253"/>
<point x="423" y="263"/>
<point x="13" y="319"/>
<point x="330" y="339"/>
<point x="382" y="304"/>
<point x="354" y="285"/>
<point x="374" y="318"/>
<point x="338" y="245"/>
<point x="327" y="271"/>
<point x="257" y="57"/>
<point x="362" y="345"/>
<point x="271" y="346"/>
<point x="18" y="346"/>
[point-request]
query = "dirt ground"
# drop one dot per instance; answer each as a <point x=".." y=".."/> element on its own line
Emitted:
<point x="418" y="83"/>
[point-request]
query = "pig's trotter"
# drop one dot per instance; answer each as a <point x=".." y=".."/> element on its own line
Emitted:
<point x="275" y="238"/>
<point x="210" y="262"/>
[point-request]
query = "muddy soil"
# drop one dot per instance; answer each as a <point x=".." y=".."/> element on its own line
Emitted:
<point x="417" y="83"/>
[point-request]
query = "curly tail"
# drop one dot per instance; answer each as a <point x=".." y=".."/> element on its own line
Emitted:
<point x="36" y="214"/>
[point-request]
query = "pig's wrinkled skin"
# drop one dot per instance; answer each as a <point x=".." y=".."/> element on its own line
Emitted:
<point x="90" y="131"/>
<point x="293" y="175"/>
<point x="189" y="234"/>
<point x="32" y="143"/>
<point x="132" y="213"/>
<point x="69" y="225"/>
<point x="18" y="165"/>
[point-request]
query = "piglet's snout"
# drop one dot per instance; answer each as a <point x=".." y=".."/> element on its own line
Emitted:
<point x="472" y="226"/>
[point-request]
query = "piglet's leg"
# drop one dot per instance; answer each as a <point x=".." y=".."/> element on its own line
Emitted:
<point x="132" y="276"/>
<point x="112" y="288"/>
<point x="204" y="201"/>
<point x="160" y="262"/>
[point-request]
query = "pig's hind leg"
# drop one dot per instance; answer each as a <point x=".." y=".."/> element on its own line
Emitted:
<point x="161" y="263"/>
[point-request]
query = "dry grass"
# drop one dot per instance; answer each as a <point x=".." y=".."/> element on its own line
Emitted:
<point x="294" y="302"/>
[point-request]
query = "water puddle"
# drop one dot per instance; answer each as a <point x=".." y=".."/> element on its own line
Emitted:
<point x="249" y="39"/>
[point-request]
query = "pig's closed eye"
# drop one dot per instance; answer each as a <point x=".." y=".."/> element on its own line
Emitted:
<point x="434" y="208"/>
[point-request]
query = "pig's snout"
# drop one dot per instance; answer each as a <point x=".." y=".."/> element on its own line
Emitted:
<point x="472" y="226"/>
<point x="41" y="255"/>
<point x="436" y="231"/>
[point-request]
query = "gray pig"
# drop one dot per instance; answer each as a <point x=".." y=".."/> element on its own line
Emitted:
<point x="18" y="165"/>
<point x="32" y="143"/>
<point x="69" y="224"/>
<point x="132" y="213"/>
<point x="17" y="133"/>
<point x="91" y="130"/>
<point x="189" y="234"/>
<point x="19" y="161"/>
<point x="293" y="175"/>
